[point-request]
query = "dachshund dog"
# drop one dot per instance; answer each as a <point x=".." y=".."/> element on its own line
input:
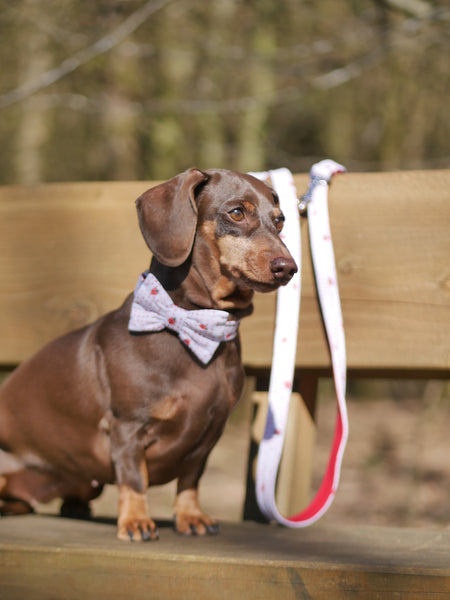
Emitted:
<point x="136" y="399"/>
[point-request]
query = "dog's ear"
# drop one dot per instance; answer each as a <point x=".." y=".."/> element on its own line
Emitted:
<point x="168" y="217"/>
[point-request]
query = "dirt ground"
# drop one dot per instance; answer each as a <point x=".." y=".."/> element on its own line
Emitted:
<point x="396" y="468"/>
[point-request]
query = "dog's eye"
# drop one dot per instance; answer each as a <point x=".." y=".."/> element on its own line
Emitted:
<point x="237" y="214"/>
<point x="279" y="222"/>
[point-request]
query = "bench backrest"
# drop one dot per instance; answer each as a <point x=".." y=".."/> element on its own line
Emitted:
<point x="72" y="251"/>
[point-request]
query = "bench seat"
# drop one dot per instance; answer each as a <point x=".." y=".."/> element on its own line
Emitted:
<point x="44" y="557"/>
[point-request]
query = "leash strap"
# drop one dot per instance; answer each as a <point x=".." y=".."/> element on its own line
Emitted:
<point x="285" y="341"/>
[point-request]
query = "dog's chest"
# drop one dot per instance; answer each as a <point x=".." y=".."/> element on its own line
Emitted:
<point x="187" y="420"/>
<point x="193" y="401"/>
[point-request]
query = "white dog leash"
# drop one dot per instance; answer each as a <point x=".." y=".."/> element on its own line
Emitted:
<point x="285" y="341"/>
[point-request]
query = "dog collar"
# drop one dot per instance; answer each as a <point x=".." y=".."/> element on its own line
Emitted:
<point x="200" y="330"/>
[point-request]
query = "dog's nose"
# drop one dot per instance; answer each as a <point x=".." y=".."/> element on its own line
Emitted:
<point x="283" y="268"/>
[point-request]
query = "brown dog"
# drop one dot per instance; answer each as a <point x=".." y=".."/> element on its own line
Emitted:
<point x="104" y="404"/>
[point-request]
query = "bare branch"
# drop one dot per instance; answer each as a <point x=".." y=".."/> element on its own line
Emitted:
<point x="101" y="46"/>
<point x="352" y="70"/>
<point x="420" y="9"/>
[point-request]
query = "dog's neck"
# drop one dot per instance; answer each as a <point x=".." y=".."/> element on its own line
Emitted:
<point x="187" y="287"/>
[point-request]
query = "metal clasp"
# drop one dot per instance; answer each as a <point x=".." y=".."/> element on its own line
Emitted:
<point x="304" y="200"/>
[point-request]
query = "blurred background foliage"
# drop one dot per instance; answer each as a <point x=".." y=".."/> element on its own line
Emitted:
<point x="128" y="89"/>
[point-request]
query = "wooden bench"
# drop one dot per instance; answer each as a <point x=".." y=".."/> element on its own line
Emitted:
<point x="70" y="252"/>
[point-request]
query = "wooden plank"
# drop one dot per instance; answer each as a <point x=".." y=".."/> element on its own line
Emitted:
<point x="69" y="252"/>
<point x="392" y="245"/>
<point x="42" y="557"/>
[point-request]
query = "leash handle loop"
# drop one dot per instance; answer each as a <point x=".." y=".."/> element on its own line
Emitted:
<point x="285" y="341"/>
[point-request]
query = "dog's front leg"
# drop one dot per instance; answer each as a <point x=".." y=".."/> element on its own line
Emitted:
<point x="134" y="522"/>
<point x="189" y="519"/>
<point x="130" y="466"/>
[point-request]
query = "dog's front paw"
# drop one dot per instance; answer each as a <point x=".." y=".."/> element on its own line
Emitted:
<point x="195" y="525"/>
<point x="137" y="530"/>
<point x="134" y="523"/>
<point x="189" y="518"/>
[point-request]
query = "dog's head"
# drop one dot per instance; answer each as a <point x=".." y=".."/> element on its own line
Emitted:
<point x="227" y="223"/>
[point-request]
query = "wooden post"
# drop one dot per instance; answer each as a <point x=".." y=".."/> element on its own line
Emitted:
<point x="295" y="472"/>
